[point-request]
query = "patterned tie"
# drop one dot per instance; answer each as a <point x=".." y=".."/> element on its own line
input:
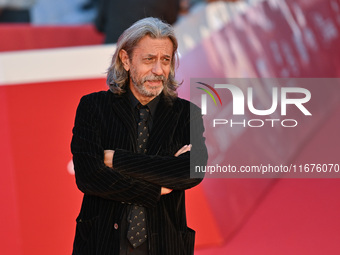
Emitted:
<point x="137" y="228"/>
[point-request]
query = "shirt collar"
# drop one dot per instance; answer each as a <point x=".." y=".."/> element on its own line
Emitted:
<point x="152" y="105"/>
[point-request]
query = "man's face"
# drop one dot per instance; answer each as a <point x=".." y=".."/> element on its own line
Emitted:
<point x="149" y="67"/>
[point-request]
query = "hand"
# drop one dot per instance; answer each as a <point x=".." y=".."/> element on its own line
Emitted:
<point x="165" y="191"/>
<point x="108" y="157"/>
<point x="184" y="149"/>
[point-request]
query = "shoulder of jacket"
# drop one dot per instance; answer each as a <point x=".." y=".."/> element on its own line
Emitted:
<point x="100" y="96"/>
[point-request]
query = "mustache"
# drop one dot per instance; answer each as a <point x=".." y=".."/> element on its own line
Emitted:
<point x="154" y="78"/>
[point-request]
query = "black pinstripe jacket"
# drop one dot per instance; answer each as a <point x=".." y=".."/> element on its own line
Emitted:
<point x="106" y="121"/>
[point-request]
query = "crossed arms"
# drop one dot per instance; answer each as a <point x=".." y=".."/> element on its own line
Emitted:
<point x="123" y="175"/>
<point x="108" y="159"/>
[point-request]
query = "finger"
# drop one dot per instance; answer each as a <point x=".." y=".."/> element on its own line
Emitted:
<point x="181" y="150"/>
<point x="108" y="157"/>
<point x="184" y="149"/>
<point x="165" y="191"/>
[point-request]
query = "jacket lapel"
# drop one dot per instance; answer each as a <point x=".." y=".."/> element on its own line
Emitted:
<point x="124" y="112"/>
<point x="164" y="123"/>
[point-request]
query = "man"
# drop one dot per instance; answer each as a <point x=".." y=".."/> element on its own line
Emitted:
<point x="114" y="16"/>
<point x="132" y="153"/>
<point x="15" y="11"/>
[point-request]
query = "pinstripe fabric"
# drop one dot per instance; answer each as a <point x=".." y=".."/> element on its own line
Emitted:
<point x="105" y="121"/>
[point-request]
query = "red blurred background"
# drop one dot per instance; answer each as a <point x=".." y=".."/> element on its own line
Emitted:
<point x="38" y="195"/>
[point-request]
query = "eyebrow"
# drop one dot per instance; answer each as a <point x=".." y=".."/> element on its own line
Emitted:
<point x="151" y="55"/>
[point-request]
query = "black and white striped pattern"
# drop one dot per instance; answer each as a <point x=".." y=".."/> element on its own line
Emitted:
<point x="105" y="121"/>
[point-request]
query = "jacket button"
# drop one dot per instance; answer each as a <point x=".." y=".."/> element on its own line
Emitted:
<point x="115" y="226"/>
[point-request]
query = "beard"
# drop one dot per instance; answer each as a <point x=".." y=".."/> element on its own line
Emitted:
<point x="152" y="91"/>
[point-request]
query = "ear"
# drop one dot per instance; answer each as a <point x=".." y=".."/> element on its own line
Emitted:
<point x="124" y="57"/>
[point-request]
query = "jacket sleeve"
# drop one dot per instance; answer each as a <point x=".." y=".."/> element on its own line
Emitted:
<point x="92" y="176"/>
<point x="169" y="171"/>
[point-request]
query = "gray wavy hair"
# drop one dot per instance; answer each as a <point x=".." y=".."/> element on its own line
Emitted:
<point x="117" y="76"/>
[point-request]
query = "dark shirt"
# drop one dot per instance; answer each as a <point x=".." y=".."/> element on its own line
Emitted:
<point x="152" y="105"/>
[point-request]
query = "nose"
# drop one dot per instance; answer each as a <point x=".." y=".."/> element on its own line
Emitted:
<point x="157" y="68"/>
